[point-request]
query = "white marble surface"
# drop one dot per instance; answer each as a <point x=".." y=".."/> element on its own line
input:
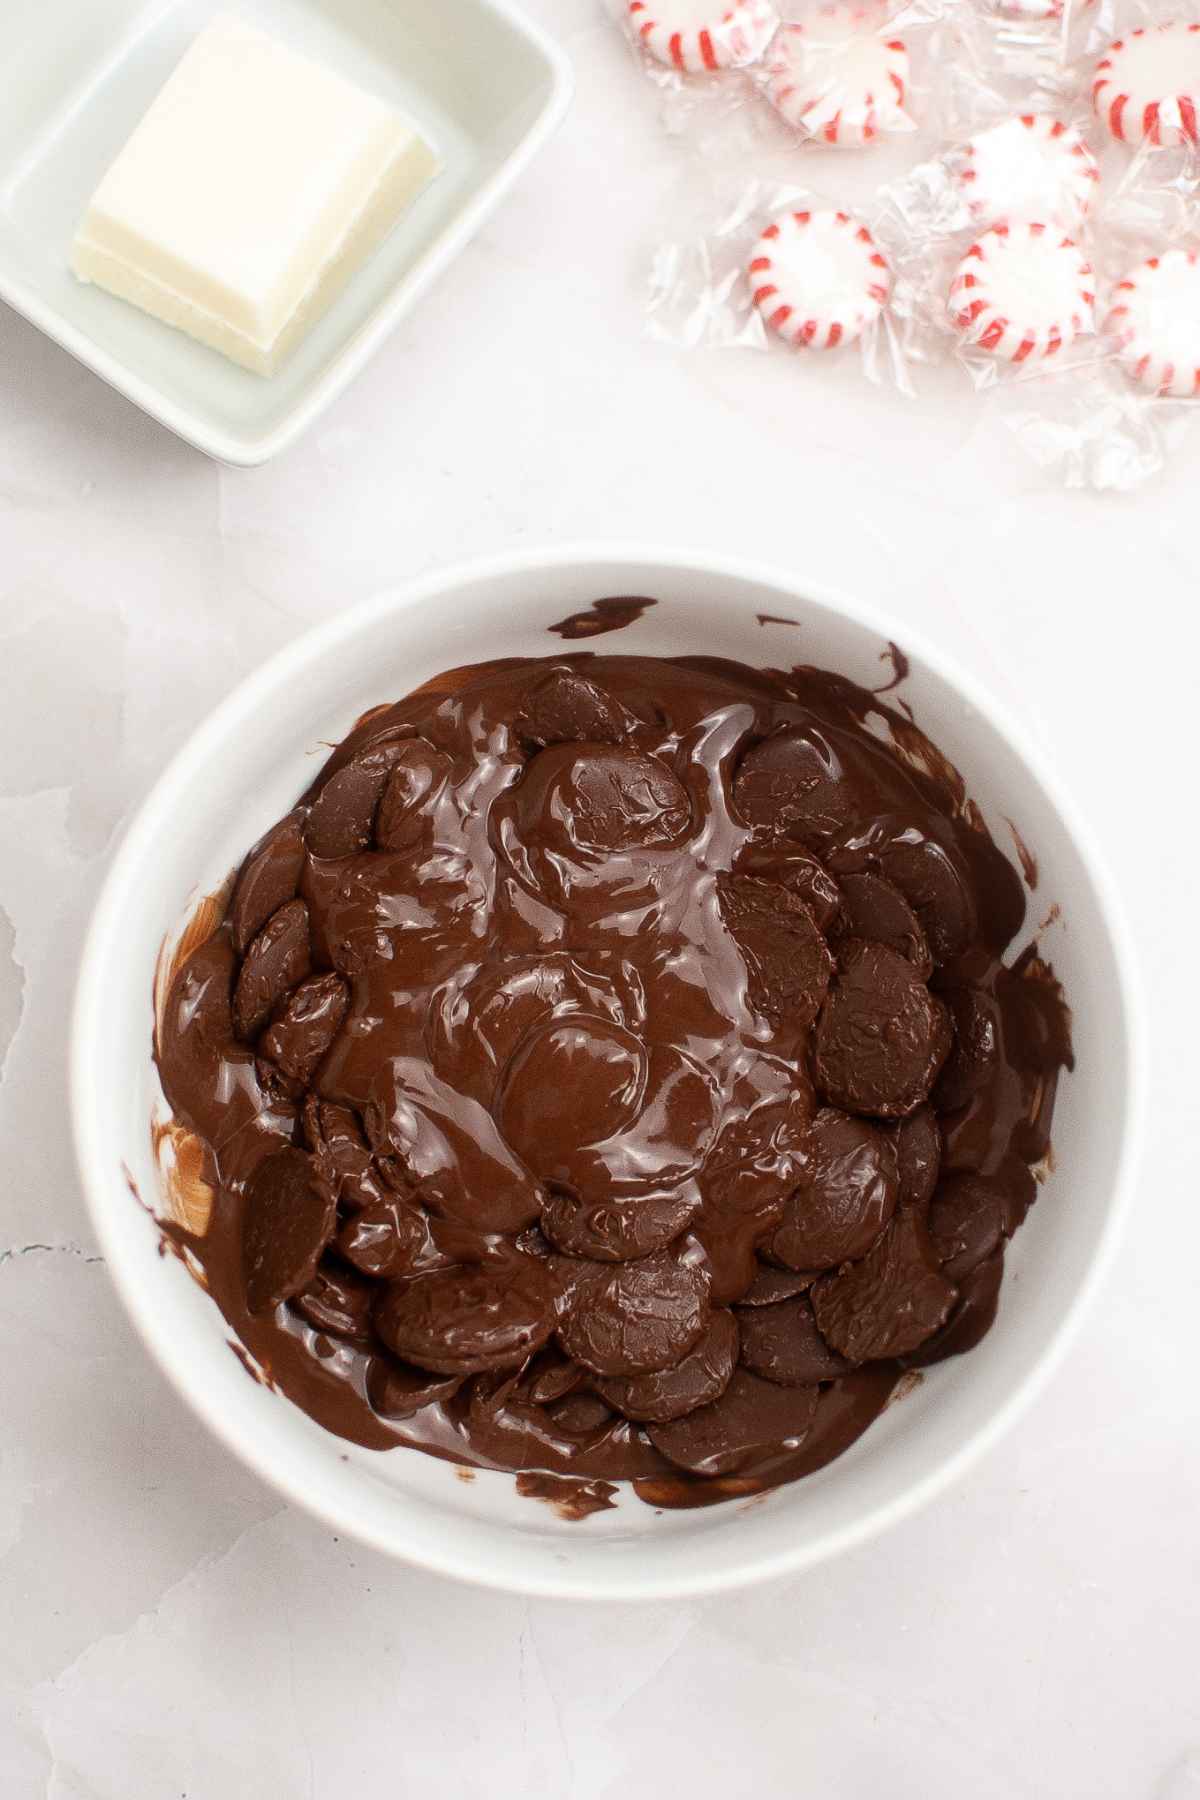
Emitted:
<point x="171" y="1629"/>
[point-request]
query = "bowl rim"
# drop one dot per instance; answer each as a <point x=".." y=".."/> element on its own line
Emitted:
<point x="97" y="1166"/>
<point x="251" y="449"/>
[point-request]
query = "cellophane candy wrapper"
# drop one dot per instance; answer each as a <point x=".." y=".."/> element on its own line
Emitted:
<point x="847" y="74"/>
<point x="1022" y="206"/>
<point x="1099" y="357"/>
<point x="740" y="282"/>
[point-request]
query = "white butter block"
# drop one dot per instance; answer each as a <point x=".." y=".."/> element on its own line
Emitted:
<point x="255" y="186"/>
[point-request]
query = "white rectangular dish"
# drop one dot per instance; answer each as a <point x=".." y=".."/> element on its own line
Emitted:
<point x="475" y="77"/>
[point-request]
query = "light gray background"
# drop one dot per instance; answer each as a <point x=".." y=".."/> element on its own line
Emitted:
<point x="169" y="1628"/>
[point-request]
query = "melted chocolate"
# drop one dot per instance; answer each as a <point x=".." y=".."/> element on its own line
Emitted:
<point x="1025" y="857"/>
<point x="900" y="667"/>
<point x="612" y="614"/>
<point x="579" y="1001"/>
<point x="571" y="1500"/>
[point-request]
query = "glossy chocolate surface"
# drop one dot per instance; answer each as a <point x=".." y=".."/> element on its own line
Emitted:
<point x="610" y="1069"/>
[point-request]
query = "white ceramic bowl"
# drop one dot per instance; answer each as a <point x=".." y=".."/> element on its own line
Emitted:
<point x="243" y="768"/>
<point x="484" y="85"/>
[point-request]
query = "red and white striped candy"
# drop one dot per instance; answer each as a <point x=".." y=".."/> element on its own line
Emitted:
<point x="1031" y="167"/>
<point x="700" y="35"/>
<point x="818" y="278"/>
<point x="1146" y="87"/>
<point x="838" y="79"/>
<point x="1155" y="323"/>
<point x="1023" y="290"/>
